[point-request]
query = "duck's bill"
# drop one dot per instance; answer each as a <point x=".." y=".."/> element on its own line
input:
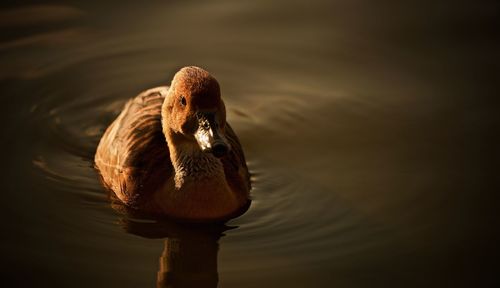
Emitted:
<point x="210" y="137"/>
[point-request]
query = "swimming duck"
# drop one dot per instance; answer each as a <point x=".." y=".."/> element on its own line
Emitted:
<point x="171" y="152"/>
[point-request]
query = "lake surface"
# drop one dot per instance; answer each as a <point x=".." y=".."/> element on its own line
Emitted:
<point x="367" y="126"/>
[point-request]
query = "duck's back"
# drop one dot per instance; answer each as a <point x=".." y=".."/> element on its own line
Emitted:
<point x="133" y="156"/>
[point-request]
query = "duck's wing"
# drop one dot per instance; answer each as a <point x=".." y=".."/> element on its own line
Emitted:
<point x="133" y="156"/>
<point x="235" y="166"/>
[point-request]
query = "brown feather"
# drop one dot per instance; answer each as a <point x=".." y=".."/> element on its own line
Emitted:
<point x="133" y="156"/>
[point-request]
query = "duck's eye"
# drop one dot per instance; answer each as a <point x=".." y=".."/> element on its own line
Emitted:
<point x="183" y="101"/>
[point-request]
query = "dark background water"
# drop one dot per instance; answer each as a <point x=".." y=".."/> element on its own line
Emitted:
<point x="369" y="126"/>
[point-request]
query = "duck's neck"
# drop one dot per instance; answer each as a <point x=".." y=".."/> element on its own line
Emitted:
<point x="191" y="165"/>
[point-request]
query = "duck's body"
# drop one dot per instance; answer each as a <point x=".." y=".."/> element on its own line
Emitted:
<point x="170" y="152"/>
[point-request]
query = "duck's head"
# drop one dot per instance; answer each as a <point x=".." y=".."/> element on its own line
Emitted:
<point x="194" y="112"/>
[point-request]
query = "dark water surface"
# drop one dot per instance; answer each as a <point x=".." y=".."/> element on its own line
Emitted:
<point x="368" y="127"/>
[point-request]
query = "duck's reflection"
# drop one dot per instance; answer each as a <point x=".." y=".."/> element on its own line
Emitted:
<point x="189" y="258"/>
<point x="188" y="262"/>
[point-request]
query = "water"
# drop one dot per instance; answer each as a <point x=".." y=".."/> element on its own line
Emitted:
<point x="367" y="128"/>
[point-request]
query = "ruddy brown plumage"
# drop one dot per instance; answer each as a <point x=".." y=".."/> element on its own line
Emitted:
<point x="171" y="152"/>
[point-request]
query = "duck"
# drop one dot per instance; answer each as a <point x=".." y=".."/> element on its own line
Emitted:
<point x="171" y="152"/>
